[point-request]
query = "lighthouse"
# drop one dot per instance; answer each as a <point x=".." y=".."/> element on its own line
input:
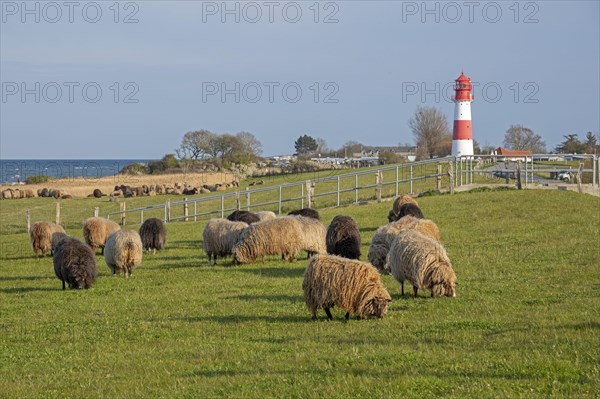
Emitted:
<point x="462" y="135"/>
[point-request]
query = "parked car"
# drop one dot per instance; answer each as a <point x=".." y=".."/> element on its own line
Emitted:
<point x="564" y="175"/>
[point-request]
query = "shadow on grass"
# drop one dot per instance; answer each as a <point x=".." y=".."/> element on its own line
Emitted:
<point x="23" y="290"/>
<point x="575" y="326"/>
<point x="27" y="278"/>
<point x="185" y="265"/>
<point x="238" y="319"/>
<point x="285" y="272"/>
<point x="271" y="298"/>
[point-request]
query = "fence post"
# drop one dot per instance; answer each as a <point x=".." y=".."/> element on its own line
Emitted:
<point x="451" y="176"/>
<point x="438" y="185"/>
<point x="356" y="189"/>
<point x="397" y="180"/>
<point x="27" y="221"/>
<point x="195" y="210"/>
<point x="302" y="196"/>
<point x="411" y="179"/>
<point x="96" y="211"/>
<point x="308" y="194"/>
<point x="168" y="210"/>
<point x="222" y="206"/>
<point x="123" y="206"/>
<point x="378" y="185"/>
<point x="247" y="199"/>
<point x="141" y="217"/>
<point x="57" y="217"/>
<point x="237" y="200"/>
<point x="185" y="210"/>
<point x="578" y="178"/>
<point x="519" y="187"/>
<point x="338" y="190"/>
<point x="279" y="206"/>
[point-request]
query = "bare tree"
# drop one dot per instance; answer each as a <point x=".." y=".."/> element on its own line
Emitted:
<point x="322" y="146"/>
<point x="431" y="131"/>
<point x="251" y="145"/>
<point x="195" y="144"/>
<point x="518" y="137"/>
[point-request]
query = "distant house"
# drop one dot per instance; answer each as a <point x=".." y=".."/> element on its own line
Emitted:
<point x="374" y="151"/>
<point x="512" y="155"/>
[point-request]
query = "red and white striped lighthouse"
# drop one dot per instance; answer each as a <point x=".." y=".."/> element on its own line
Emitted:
<point x="462" y="135"/>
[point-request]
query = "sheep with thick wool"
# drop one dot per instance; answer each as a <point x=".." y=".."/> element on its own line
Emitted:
<point x="153" y="233"/>
<point x="220" y="236"/>
<point x="343" y="237"/>
<point x="74" y="262"/>
<point x="400" y="200"/>
<point x="306" y="212"/>
<point x="266" y="215"/>
<point x="313" y="235"/>
<point x="422" y="261"/>
<point x="280" y="236"/>
<point x="96" y="231"/>
<point x="352" y="285"/>
<point x="123" y="251"/>
<point x="410" y="210"/>
<point x="243" y="216"/>
<point x="384" y="236"/>
<point x="41" y="236"/>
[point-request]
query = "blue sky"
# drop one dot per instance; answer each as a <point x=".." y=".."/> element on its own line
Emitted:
<point x="78" y="85"/>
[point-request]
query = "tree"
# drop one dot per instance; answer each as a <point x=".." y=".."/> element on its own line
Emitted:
<point x="571" y="145"/>
<point x="251" y="146"/>
<point x="431" y="130"/>
<point x="305" y="145"/>
<point x="226" y="148"/>
<point x="591" y="143"/>
<point x="195" y="144"/>
<point x="322" y="147"/>
<point x="518" y="137"/>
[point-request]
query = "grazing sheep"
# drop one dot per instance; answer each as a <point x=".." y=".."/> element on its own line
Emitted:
<point x="266" y="215"/>
<point x="424" y="262"/>
<point x="220" y="236"/>
<point x="123" y="251"/>
<point x="27" y="193"/>
<point x="41" y="236"/>
<point x="153" y="233"/>
<point x="343" y="237"/>
<point x="401" y="200"/>
<point x="74" y="263"/>
<point x="243" y="216"/>
<point x="412" y="210"/>
<point x="352" y="285"/>
<point x="307" y="212"/>
<point x="96" y="230"/>
<point x="313" y="235"/>
<point x="384" y="236"/>
<point x="98" y="193"/>
<point x="280" y="236"/>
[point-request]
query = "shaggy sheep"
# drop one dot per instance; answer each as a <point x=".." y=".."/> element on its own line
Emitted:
<point x="243" y="216"/>
<point x="153" y="233"/>
<point x="424" y="262"/>
<point x="352" y="285"/>
<point x="307" y="212"/>
<point x="96" y="230"/>
<point x="266" y="215"/>
<point x="220" y="236"/>
<point x="384" y="236"/>
<point x="74" y="263"/>
<point x="7" y="193"/>
<point x="123" y="251"/>
<point x="98" y="193"/>
<point x="343" y="237"/>
<point x="313" y="235"/>
<point x="280" y="236"/>
<point x="41" y="236"/>
<point x="402" y="199"/>
<point x="412" y="210"/>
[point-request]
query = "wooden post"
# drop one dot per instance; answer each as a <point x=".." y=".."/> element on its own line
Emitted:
<point x="378" y="185"/>
<point x="237" y="200"/>
<point x="185" y="210"/>
<point x="439" y="177"/>
<point x="519" y="175"/>
<point x="411" y="179"/>
<point x="338" y="190"/>
<point x="57" y="218"/>
<point x="279" y="207"/>
<point x="96" y="211"/>
<point x="195" y="210"/>
<point x="578" y="178"/>
<point x="247" y="199"/>
<point x="123" y="206"/>
<point x="451" y="176"/>
<point x="141" y="217"/>
<point x="27" y="221"/>
<point x="308" y="194"/>
<point x="168" y="210"/>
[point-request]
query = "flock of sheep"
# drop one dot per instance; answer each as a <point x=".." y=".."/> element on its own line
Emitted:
<point x="408" y="247"/>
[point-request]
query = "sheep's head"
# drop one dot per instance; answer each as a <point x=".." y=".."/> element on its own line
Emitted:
<point x="444" y="289"/>
<point x="376" y="307"/>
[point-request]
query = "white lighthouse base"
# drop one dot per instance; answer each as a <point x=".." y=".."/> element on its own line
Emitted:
<point x="462" y="148"/>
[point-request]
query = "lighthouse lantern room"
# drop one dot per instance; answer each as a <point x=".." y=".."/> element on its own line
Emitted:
<point x="462" y="135"/>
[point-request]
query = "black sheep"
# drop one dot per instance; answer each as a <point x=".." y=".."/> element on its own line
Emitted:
<point x="153" y="233"/>
<point x="243" y="216"/>
<point x="343" y="238"/>
<point x="412" y="210"/>
<point x="75" y="263"/>
<point x="306" y="212"/>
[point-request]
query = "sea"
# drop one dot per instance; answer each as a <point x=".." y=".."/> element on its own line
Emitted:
<point x="16" y="171"/>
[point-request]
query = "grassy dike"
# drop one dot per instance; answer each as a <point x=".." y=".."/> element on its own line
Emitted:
<point x="525" y="323"/>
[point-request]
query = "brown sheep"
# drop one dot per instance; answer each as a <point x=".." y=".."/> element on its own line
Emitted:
<point x="398" y="202"/>
<point x="41" y="236"/>
<point x="74" y="263"/>
<point x="123" y="251"/>
<point x="352" y="285"/>
<point x="96" y="230"/>
<point x="343" y="237"/>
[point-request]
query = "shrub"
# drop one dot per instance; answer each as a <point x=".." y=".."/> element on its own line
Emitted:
<point x="135" y="168"/>
<point x="37" y="179"/>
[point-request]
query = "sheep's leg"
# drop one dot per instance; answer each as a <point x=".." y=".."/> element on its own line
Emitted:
<point x="329" y="316"/>
<point x="63" y="282"/>
<point x="314" y="314"/>
<point x="402" y="285"/>
<point x="347" y="317"/>
<point x="415" y="289"/>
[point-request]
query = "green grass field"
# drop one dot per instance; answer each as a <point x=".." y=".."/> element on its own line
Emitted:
<point x="525" y="323"/>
